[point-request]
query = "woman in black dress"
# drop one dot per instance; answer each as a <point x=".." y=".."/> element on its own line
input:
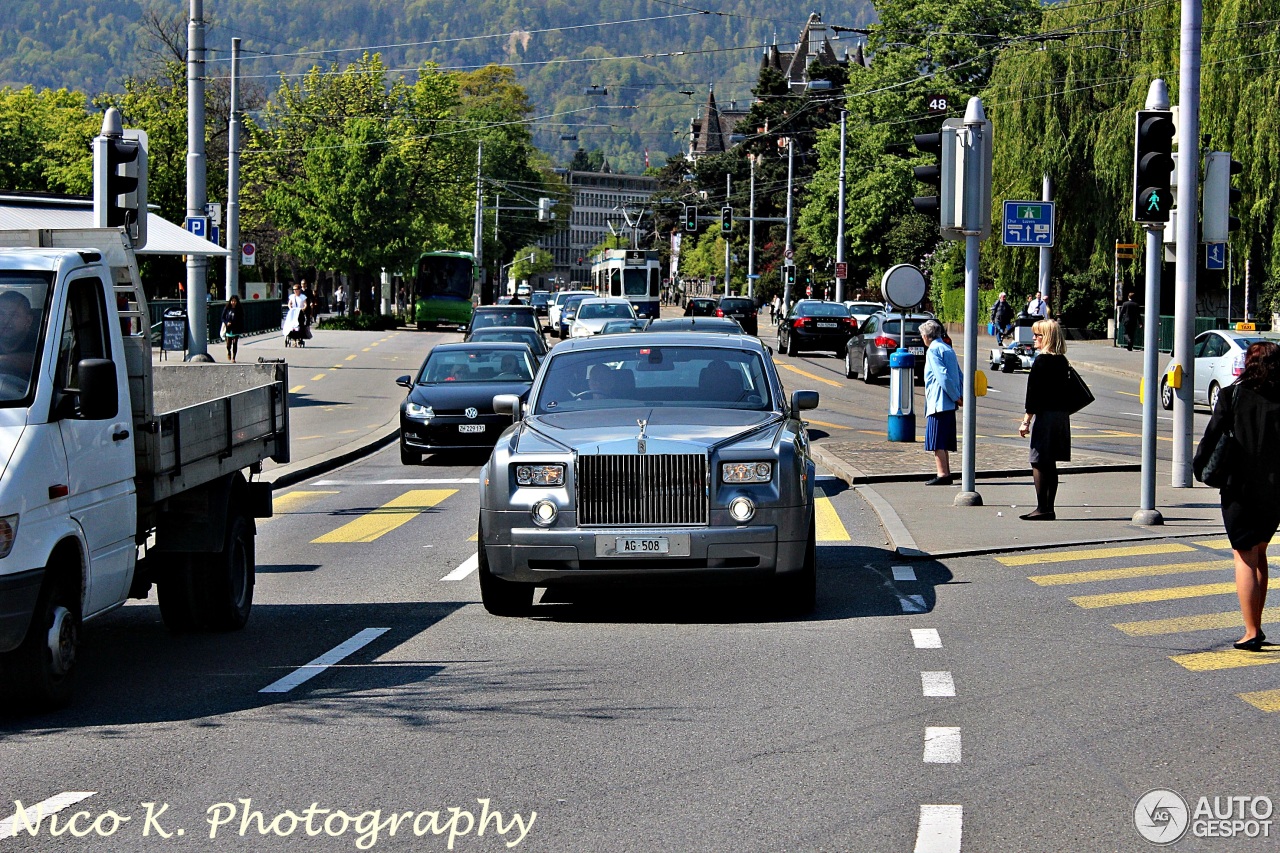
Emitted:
<point x="233" y="326"/>
<point x="1250" y="409"/>
<point x="1051" y="434"/>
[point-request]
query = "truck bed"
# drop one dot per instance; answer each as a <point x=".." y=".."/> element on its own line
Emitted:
<point x="207" y="421"/>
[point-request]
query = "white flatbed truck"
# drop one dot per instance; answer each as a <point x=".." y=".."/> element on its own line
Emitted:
<point x="116" y="473"/>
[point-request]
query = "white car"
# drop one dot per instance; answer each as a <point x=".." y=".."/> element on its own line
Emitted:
<point x="557" y="303"/>
<point x="594" y="313"/>
<point x="860" y="311"/>
<point x="1219" y="355"/>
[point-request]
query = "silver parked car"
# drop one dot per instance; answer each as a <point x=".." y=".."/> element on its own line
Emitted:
<point x="651" y="456"/>
<point x="1219" y="356"/>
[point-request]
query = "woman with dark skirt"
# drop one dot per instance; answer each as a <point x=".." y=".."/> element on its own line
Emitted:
<point x="1049" y="426"/>
<point x="1249" y="409"/>
<point x="233" y="326"/>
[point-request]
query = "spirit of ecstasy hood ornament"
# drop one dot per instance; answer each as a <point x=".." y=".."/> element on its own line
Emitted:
<point x="640" y="440"/>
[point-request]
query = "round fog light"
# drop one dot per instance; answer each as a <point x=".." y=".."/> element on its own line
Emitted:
<point x="741" y="509"/>
<point x="544" y="512"/>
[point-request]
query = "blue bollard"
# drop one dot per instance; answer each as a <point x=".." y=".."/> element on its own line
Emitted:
<point x="902" y="419"/>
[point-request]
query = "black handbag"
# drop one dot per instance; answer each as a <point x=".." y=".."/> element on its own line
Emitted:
<point x="1214" y="469"/>
<point x="1077" y="394"/>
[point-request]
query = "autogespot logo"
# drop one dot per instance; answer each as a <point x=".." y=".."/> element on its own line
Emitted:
<point x="1161" y="816"/>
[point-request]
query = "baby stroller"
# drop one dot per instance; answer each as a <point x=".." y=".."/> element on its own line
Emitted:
<point x="296" y="329"/>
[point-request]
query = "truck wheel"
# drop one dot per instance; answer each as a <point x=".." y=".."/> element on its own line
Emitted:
<point x="229" y="578"/>
<point x="501" y="598"/>
<point x="797" y="592"/>
<point x="181" y="591"/>
<point x="42" y="669"/>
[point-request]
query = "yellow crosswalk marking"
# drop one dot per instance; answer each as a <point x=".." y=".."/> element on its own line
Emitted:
<point x="1143" y="596"/>
<point x="387" y="517"/>
<point x="1093" y="554"/>
<point x="808" y="375"/>
<point x="1203" y="622"/>
<point x="1129" y="572"/>
<point x="1227" y="659"/>
<point x="827" y="522"/>
<point x="1263" y="700"/>
<point x="825" y="424"/>
<point x="1222" y="545"/>
<point x="290" y="501"/>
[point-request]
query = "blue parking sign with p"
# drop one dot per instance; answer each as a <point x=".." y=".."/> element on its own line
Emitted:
<point x="199" y="226"/>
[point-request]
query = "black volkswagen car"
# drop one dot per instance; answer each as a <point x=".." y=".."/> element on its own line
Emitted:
<point x="518" y="334"/>
<point x="815" y="325"/>
<point x="504" y="315"/>
<point x="450" y="402"/>
<point x="700" y="306"/>
<point x="742" y="309"/>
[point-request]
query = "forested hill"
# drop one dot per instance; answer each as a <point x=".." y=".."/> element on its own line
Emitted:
<point x="557" y="47"/>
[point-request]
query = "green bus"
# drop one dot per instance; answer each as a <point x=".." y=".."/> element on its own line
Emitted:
<point x="444" y="289"/>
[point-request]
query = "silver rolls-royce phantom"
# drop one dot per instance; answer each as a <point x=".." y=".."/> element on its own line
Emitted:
<point x="650" y="456"/>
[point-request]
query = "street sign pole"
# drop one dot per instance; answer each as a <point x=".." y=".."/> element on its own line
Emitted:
<point x="1184" y="297"/>
<point x="1045" y="256"/>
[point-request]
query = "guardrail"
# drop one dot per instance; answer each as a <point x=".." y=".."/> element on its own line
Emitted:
<point x="260" y="315"/>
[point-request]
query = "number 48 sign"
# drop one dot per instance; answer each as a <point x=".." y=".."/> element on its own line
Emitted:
<point x="937" y="104"/>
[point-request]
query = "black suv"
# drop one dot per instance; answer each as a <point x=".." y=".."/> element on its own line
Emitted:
<point x="742" y="309"/>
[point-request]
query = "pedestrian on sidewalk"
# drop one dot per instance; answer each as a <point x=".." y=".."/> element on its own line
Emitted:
<point x="1001" y="318"/>
<point x="1129" y="321"/>
<point x="1047" y="387"/>
<point x="1249" y="411"/>
<point x="232" y="326"/>
<point x="942" y="394"/>
<point x="1037" y="307"/>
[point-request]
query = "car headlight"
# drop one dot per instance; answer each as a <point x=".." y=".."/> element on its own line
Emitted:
<point x="540" y="475"/>
<point x="413" y="410"/>
<point x="8" y="533"/>
<point x="579" y="330"/>
<point x="741" y="509"/>
<point x="746" y="472"/>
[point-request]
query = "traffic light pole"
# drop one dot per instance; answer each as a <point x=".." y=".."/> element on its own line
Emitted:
<point x="1147" y="512"/>
<point x="728" y="191"/>
<point x="1187" y="238"/>
<point x="840" y="215"/>
<point x="751" y="232"/>
<point x="968" y="495"/>
<point x="786" y="284"/>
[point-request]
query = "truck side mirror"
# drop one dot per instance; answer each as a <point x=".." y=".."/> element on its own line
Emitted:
<point x="99" y="393"/>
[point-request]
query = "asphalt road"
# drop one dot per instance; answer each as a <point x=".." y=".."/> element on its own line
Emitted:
<point x="1021" y="702"/>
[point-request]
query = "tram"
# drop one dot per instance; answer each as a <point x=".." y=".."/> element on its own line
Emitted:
<point x="635" y="274"/>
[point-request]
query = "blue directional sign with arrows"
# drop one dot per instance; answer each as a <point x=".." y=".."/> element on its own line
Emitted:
<point x="1215" y="256"/>
<point x="1028" y="223"/>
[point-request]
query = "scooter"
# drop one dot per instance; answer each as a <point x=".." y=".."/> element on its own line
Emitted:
<point x="1020" y="351"/>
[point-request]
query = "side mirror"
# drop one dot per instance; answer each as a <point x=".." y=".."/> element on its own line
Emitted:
<point x="464" y="329"/>
<point x="769" y="350"/>
<point x="508" y="404"/>
<point x="99" y="392"/>
<point x="405" y="381"/>
<point x="802" y="400"/>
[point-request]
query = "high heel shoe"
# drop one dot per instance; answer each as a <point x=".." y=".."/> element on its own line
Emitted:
<point x="1253" y="644"/>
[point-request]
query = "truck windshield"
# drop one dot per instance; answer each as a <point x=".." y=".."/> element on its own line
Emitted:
<point x="23" y="306"/>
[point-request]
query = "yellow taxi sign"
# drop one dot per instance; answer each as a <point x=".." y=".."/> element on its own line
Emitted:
<point x="1246" y="327"/>
<point x="1175" y="376"/>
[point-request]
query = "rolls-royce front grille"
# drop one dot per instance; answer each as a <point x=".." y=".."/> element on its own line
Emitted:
<point x="655" y="489"/>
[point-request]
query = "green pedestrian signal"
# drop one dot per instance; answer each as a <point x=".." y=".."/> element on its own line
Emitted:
<point x="1153" y="166"/>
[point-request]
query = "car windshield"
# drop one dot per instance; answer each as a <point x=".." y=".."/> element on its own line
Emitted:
<point x="22" y="307"/>
<point x="622" y="326"/>
<point x="821" y="309"/>
<point x="540" y="298"/>
<point x="891" y="326"/>
<point x="864" y="307"/>
<point x="476" y="365"/>
<point x="517" y="334"/>
<point x="612" y="310"/>
<point x="485" y="319"/>
<point x="571" y="305"/>
<point x="653" y="375"/>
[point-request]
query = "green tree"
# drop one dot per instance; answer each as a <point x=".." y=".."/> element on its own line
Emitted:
<point x="44" y="141"/>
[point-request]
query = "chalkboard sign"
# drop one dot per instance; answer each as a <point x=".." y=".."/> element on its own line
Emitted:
<point x="174" y="334"/>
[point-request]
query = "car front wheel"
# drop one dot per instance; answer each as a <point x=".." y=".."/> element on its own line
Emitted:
<point x="1214" y="391"/>
<point x="797" y="591"/>
<point x="1166" y="396"/>
<point x="501" y="598"/>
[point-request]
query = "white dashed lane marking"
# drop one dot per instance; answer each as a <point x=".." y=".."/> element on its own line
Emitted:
<point x="942" y="745"/>
<point x="940" y="829"/>
<point x="308" y="671"/>
<point x="468" y="566"/>
<point x="904" y="573"/>
<point x="926" y="638"/>
<point x="31" y="816"/>
<point x="937" y="684"/>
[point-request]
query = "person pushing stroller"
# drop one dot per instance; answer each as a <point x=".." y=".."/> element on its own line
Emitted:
<point x="1001" y="318"/>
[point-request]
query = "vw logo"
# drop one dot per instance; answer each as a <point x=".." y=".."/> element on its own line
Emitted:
<point x="471" y="412"/>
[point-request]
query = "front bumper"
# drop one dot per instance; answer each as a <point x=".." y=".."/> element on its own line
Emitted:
<point x="18" y="594"/>
<point x="441" y="432"/>
<point x="519" y="551"/>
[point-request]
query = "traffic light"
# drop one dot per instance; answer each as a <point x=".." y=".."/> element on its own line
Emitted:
<point x="941" y="176"/>
<point x="544" y="210"/>
<point x="1152" y="166"/>
<point x="690" y="217"/>
<point x="1217" y="222"/>
<point x="726" y="220"/>
<point x="790" y="275"/>
<point x="120" y="178"/>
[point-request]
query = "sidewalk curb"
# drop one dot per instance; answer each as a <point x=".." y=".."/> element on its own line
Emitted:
<point x="856" y="477"/>
<point x="904" y="544"/>
<point x="292" y="474"/>
<point x="1107" y="368"/>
